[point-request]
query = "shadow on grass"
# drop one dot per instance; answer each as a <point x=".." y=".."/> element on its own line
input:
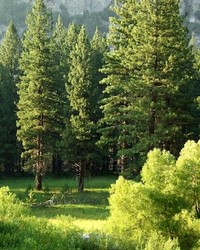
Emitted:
<point x="86" y="212"/>
<point x="91" y="197"/>
<point x="91" y="205"/>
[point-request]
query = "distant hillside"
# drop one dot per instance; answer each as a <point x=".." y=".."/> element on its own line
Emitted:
<point x="191" y="10"/>
<point x="74" y="7"/>
<point x="91" y="13"/>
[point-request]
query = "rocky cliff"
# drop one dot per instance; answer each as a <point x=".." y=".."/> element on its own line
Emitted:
<point x="69" y="9"/>
<point x="75" y="7"/>
<point x="191" y="9"/>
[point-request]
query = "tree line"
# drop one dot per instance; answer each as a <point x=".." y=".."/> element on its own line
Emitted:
<point x="100" y="103"/>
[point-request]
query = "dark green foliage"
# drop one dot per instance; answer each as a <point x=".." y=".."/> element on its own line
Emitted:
<point x="99" y="48"/>
<point x="59" y="53"/>
<point x="40" y="116"/>
<point x="9" y="56"/>
<point x="196" y="90"/>
<point x="80" y="94"/>
<point x="84" y="93"/>
<point x="149" y="75"/>
<point x="79" y="91"/>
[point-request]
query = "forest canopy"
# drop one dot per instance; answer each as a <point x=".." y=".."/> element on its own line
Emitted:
<point x="85" y="106"/>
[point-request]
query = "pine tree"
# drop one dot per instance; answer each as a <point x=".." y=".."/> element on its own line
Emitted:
<point x="99" y="48"/>
<point x="80" y="95"/>
<point x="39" y="104"/>
<point x="149" y="71"/>
<point x="60" y="56"/>
<point x="68" y="140"/>
<point x="196" y="92"/>
<point x="117" y="120"/>
<point x="71" y="37"/>
<point x="9" y="56"/>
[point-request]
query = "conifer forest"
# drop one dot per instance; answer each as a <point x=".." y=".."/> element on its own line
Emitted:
<point x="124" y="103"/>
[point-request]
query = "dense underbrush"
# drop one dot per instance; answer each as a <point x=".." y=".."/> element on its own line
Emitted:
<point x="161" y="212"/>
<point x="19" y="230"/>
<point x="163" y="207"/>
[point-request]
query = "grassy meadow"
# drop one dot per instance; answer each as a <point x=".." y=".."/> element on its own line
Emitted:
<point x="82" y="221"/>
<point x="88" y="210"/>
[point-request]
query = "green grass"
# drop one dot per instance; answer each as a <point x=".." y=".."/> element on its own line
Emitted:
<point x="88" y="210"/>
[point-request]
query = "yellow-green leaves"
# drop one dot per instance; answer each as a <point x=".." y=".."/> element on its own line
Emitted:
<point x="165" y="202"/>
<point x="157" y="170"/>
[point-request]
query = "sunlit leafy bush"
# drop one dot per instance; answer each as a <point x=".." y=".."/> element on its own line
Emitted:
<point x="10" y="206"/>
<point x="165" y="202"/>
<point x="157" y="242"/>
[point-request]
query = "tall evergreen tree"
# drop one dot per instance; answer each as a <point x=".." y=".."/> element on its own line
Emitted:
<point x="9" y="56"/>
<point x="196" y="92"/>
<point x="80" y="96"/>
<point x="149" y="71"/>
<point x="71" y="37"/>
<point x="116" y="109"/>
<point x="99" y="48"/>
<point x="67" y="142"/>
<point x="60" y="55"/>
<point x="39" y="103"/>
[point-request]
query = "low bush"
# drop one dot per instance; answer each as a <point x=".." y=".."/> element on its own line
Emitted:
<point x="10" y="206"/>
<point x="165" y="202"/>
<point x="20" y="231"/>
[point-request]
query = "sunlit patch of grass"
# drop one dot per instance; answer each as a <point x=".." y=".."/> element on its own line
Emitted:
<point x="86" y="225"/>
<point x="87" y="211"/>
<point x="89" y="226"/>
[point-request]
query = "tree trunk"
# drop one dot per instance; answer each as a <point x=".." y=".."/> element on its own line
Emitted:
<point x="20" y="160"/>
<point x="56" y="165"/>
<point x="81" y="177"/>
<point x="39" y="165"/>
<point x="38" y="180"/>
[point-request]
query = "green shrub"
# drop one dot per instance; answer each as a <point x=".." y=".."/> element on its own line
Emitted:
<point x="9" y="234"/>
<point x="40" y="234"/>
<point x="20" y="231"/>
<point x="187" y="227"/>
<point x="187" y="176"/>
<point x="31" y="233"/>
<point x="99" y="241"/>
<point x="166" y="201"/>
<point x="157" y="242"/>
<point x="10" y="206"/>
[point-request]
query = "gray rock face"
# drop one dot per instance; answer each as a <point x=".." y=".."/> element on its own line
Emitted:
<point x="190" y="8"/>
<point x="75" y="7"/>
